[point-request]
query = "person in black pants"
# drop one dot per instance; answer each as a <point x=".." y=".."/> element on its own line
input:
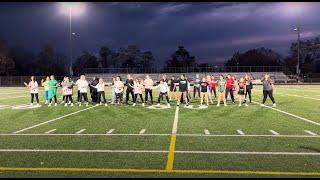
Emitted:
<point x="196" y="86"/>
<point x="130" y="84"/>
<point x="268" y="88"/>
<point x="93" y="91"/>
<point x="249" y="86"/>
<point x="229" y="87"/>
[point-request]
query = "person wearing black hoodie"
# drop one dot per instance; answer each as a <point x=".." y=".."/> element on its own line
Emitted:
<point x="130" y="84"/>
<point x="93" y="91"/>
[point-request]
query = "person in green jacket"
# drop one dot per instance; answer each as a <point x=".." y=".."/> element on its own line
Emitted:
<point x="52" y="92"/>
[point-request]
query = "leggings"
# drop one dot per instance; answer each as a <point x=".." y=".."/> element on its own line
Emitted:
<point x="163" y="94"/>
<point x="78" y="97"/>
<point x="101" y="93"/>
<point x="127" y="95"/>
<point x="196" y="89"/>
<point x="68" y="98"/>
<point x="46" y="95"/>
<point x="34" y="95"/>
<point x="229" y="91"/>
<point x="85" y="97"/>
<point x="248" y="91"/>
<point x="266" y="94"/>
<point x="55" y="99"/>
<point x="214" y="92"/>
<point x="148" y="91"/>
<point x="118" y="97"/>
<point x="136" y="97"/>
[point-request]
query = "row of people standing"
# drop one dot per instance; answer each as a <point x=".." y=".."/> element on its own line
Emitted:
<point x="206" y="88"/>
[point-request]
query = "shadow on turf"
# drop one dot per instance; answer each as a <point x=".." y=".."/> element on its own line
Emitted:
<point x="310" y="148"/>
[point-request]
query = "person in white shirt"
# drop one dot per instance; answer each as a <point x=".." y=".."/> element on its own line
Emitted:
<point x="164" y="90"/>
<point x="138" y="88"/>
<point x="118" y="89"/>
<point x="34" y="89"/>
<point x="100" y="90"/>
<point x="148" y="83"/>
<point x="82" y="84"/>
<point x="78" y="91"/>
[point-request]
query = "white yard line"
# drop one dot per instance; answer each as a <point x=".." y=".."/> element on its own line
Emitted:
<point x="142" y="131"/>
<point x="294" y="95"/>
<point x="309" y="132"/>
<point x="206" y="131"/>
<point x="274" y="132"/>
<point x="79" y="132"/>
<point x="175" y="122"/>
<point x="250" y="153"/>
<point x="298" y="117"/>
<point x="110" y="131"/>
<point x="50" y="131"/>
<point x="40" y="124"/>
<point x="240" y="132"/>
<point x="187" y="135"/>
<point x="160" y="151"/>
<point x="83" y="150"/>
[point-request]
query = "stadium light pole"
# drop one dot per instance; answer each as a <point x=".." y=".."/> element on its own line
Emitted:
<point x="298" y="29"/>
<point x="72" y="8"/>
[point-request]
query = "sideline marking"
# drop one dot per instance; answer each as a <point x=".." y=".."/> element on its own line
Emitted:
<point x="294" y="95"/>
<point x="52" y="130"/>
<point x="311" y="133"/>
<point x="173" y="138"/>
<point x="181" y="171"/>
<point x="190" y="135"/>
<point x="249" y="152"/>
<point x="274" y="132"/>
<point x="110" y="131"/>
<point x="61" y="117"/>
<point x="79" y="132"/>
<point x="298" y="117"/>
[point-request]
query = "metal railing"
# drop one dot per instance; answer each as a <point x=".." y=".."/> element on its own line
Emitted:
<point x="187" y="69"/>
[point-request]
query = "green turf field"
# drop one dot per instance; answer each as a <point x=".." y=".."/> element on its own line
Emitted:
<point x="126" y="141"/>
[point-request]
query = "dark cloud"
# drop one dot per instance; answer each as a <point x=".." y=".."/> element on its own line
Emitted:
<point x="211" y="31"/>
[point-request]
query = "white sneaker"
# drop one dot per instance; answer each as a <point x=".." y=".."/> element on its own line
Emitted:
<point x="65" y="104"/>
<point x="71" y="104"/>
<point x="55" y="104"/>
<point x="246" y="104"/>
<point x="225" y="105"/>
<point x="62" y="102"/>
<point x="274" y="105"/>
<point x="87" y="104"/>
<point x="49" y="105"/>
<point x="105" y="104"/>
<point x="79" y="104"/>
<point x="46" y="102"/>
<point x="239" y="105"/>
<point x="158" y="104"/>
<point x="262" y="105"/>
<point x="168" y="105"/>
<point x="97" y="105"/>
<point x="134" y="104"/>
<point x="218" y="105"/>
<point x="207" y="104"/>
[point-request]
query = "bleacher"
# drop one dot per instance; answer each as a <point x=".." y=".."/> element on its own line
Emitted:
<point x="278" y="77"/>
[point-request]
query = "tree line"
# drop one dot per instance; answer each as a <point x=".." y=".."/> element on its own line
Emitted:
<point x="19" y="61"/>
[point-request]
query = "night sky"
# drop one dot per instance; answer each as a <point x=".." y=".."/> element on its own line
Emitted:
<point x="210" y="31"/>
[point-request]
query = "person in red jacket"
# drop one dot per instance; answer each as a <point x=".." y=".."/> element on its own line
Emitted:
<point x="214" y="84"/>
<point x="229" y="87"/>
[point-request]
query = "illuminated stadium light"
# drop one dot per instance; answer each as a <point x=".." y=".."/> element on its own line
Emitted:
<point x="76" y="8"/>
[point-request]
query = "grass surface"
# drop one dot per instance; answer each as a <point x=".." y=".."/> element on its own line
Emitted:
<point x="124" y="150"/>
